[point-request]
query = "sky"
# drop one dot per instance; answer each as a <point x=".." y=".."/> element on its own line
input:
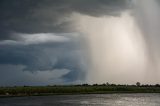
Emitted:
<point x="47" y="42"/>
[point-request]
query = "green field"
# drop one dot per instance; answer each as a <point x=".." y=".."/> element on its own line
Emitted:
<point x="75" y="89"/>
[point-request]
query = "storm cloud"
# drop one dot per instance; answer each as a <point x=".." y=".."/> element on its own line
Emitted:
<point x="38" y="36"/>
<point x="42" y="16"/>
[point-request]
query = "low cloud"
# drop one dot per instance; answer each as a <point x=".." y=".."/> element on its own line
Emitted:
<point x="54" y="52"/>
<point x="27" y="39"/>
<point x="14" y="75"/>
<point x="39" y="36"/>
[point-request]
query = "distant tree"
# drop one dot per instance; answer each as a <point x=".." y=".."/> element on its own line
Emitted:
<point x="112" y="84"/>
<point x="85" y="84"/>
<point x="95" y="84"/>
<point x="107" y="84"/>
<point x="103" y="84"/>
<point x="138" y="84"/>
<point x="157" y="85"/>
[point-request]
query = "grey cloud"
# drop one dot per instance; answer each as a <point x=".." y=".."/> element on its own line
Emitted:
<point x="21" y="20"/>
<point x="12" y="75"/>
<point x="101" y="7"/>
<point x="27" y="39"/>
<point x="46" y="56"/>
<point x="43" y="16"/>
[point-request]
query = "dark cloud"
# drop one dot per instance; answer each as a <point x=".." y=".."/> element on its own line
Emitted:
<point x="47" y="56"/>
<point x="37" y="16"/>
<point x="31" y="17"/>
<point x="12" y="75"/>
<point x="101" y="7"/>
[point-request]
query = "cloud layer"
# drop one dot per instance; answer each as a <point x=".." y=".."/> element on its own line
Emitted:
<point x="38" y="37"/>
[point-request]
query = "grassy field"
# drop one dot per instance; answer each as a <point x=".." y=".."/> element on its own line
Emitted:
<point x="75" y="89"/>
